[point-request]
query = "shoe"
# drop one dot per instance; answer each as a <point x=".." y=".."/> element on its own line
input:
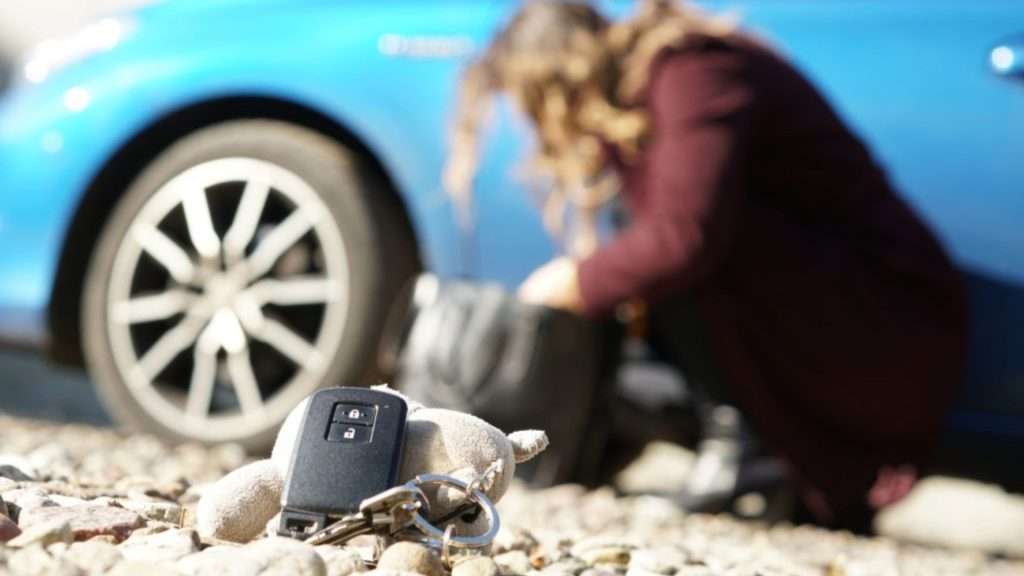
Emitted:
<point x="712" y="483"/>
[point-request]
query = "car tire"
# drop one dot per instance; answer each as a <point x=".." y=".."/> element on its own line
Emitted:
<point x="169" y="330"/>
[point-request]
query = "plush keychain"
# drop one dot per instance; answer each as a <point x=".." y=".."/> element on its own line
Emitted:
<point x="240" y="506"/>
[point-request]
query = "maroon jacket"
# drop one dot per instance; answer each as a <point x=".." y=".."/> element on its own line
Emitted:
<point x="833" y="314"/>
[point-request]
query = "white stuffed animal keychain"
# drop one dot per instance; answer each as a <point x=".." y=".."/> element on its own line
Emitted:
<point x="241" y="505"/>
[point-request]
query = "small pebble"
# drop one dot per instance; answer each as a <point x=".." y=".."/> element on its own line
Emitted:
<point x="569" y="565"/>
<point x="663" y="560"/>
<point x="44" y="534"/>
<point x="35" y="560"/>
<point x="86" y="521"/>
<point x="14" y="473"/>
<point x="509" y="539"/>
<point x="411" y="557"/>
<point x="340" y="561"/>
<point x="8" y="529"/>
<point x="563" y="531"/>
<point x="476" y="566"/>
<point x="611" y="555"/>
<point x="94" y="556"/>
<point x="601" y="571"/>
<point x="7" y="484"/>
<point x="159" y="511"/>
<point x="514" y="562"/>
<point x="164" y="546"/>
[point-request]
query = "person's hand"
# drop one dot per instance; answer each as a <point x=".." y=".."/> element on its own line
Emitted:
<point x="555" y="285"/>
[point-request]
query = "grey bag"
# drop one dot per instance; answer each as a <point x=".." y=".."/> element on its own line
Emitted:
<point x="476" y="348"/>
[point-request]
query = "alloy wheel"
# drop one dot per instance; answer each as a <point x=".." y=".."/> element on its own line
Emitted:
<point x="227" y="297"/>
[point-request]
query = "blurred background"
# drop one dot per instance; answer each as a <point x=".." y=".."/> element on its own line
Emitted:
<point x="109" y="107"/>
<point x="25" y="23"/>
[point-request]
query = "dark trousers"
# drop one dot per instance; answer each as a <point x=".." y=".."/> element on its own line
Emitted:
<point x="676" y="333"/>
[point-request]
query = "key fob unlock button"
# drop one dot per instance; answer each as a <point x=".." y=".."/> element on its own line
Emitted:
<point x="348" y="433"/>
<point x="354" y="414"/>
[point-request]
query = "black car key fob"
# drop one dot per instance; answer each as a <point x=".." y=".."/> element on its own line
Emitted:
<point x="349" y="448"/>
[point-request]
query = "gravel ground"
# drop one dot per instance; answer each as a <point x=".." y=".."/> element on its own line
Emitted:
<point x="91" y="501"/>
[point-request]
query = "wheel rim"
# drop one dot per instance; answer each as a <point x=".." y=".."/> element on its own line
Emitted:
<point x="227" y="298"/>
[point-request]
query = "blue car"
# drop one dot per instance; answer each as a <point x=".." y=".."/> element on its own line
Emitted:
<point x="212" y="204"/>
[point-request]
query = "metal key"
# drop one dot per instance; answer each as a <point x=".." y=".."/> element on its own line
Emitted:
<point x="389" y="512"/>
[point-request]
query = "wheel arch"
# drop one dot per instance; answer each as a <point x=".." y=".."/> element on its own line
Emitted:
<point x="106" y="187"/>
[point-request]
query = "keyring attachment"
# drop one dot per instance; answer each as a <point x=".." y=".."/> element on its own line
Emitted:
<point x="388" y="512"/>
<point x="445" y="539"/>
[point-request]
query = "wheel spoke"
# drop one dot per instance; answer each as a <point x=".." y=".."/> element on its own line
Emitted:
<point x="296" y="290"/>
<point x="168" y="346"/>
<point x="250" y="399"/>
<point x="280" y="239"/>
<point x="204" y="375"/>
<point x="228" y="331"/>
<point x="152" y="307"/>
<point x="247" y="217"/>
<point x="289" y="343"/>
<point x="164" y="251"/>
<point x="199" y="223"/>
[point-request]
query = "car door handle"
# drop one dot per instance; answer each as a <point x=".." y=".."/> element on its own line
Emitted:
<point x="1007" y="57"/>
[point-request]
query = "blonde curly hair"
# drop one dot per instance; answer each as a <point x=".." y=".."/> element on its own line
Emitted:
<point x="577" y="77"/>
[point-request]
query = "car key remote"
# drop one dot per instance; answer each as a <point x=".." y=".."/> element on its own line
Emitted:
<point x="349" y="448"/>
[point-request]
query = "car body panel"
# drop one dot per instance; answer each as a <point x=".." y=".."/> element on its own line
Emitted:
<point x="912" y="77"/>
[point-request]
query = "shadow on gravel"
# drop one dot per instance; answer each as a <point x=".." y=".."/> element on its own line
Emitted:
<point x="30" y="387"/>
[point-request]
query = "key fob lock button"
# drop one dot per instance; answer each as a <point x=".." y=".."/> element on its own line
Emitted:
<point x="354" y="414"/>
<point x="348" y="433"/>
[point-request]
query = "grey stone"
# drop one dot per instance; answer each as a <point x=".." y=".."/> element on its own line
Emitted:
<point x="52" y="459"/>
<point x="221" y="560"/>
<point x="268" y="557"/>
<point x="28" y="498"/>
<point x="643" y="572"/>
<point x="106" y="501"/>
<point x="7" y="484"/>
<point x="62" y="500"/>
<point x="511" y="538"/>
<point x="554" y="571"/>
<point x="612" y="555"/>
<point x="601" y="571"/>
<point x="411" y="557"/>
<point x="166" y="546"/>
<point x="288" y="557"/>
<point x="596" y="551"/>
<point x="44" y="534"/>
<point x="340" y="561"/>
<point x="143" y="567"/>
<point x="697" y="570"/>
<point x="160" y="511"/>
<point x="476" y="566"/>
<point x="238" y="507"/>
<point x="153" y="528"/>
<point x="35" y="560"/>
<point x="86" y="521"/>
<point x="14" y="473"/>
<point x="663" y="560"/>
<point x="94" y="556"/>
<point x="514" y="562"/>
<point x="570" y="565"/>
